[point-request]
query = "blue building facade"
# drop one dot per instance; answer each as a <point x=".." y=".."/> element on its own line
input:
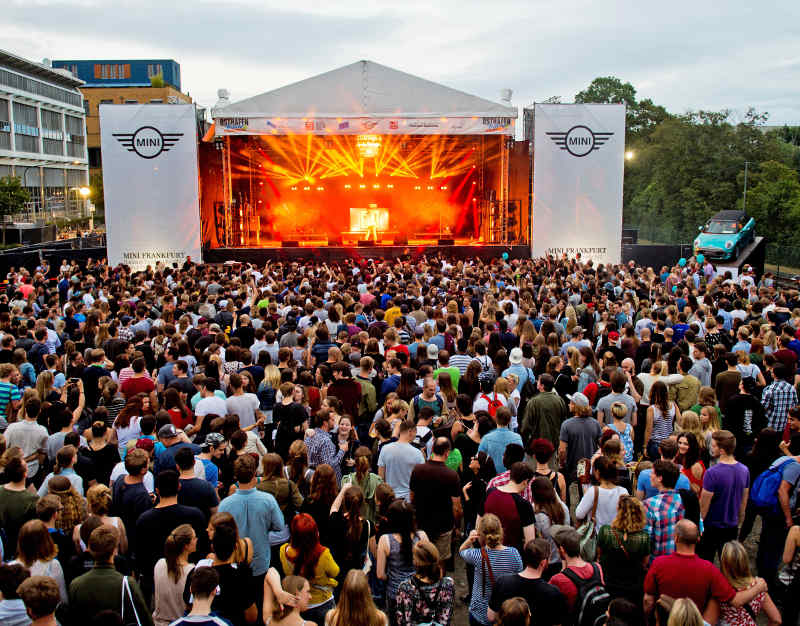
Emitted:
<point x="123" y="73"/>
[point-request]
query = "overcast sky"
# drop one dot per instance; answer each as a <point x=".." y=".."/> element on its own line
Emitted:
<point x="683" y="55"/>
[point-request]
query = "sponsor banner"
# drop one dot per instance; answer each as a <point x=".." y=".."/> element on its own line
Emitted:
<point x="256" y="125"/>
<point x="150" y="183"/>
<point x="579" y="155"/>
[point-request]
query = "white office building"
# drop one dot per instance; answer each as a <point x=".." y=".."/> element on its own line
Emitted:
<point x="43" y="135"/>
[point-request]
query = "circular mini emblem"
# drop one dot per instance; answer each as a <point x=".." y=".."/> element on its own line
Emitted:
<point x="579" y="141"/>
<point x="148" y="142"/>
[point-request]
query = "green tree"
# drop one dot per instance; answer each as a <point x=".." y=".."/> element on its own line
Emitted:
<point x="97" y="197"/>
<point x="13" y="197"/>
<point x="773" y="198"/>
<point x="641" y="117"/>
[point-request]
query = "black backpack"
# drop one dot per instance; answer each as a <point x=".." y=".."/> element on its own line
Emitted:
<point x="592" y="600"/>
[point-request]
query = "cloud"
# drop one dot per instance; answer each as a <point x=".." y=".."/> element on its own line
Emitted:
<point x="684" y="55"/>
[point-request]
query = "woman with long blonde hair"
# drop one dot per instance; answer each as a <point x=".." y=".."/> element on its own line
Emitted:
<point x="735" y="567"/>
<point x="528" y="333"/>
<point x="355" y="606"/>
<point x="98" y="499"/>
<point x="491" y="560"/>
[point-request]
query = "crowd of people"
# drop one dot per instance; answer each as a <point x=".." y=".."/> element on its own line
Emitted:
<point x="312" y="443"/>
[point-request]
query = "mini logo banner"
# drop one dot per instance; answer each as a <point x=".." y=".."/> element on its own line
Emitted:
<point x="150" y="183"/>
<point x="578" y="167"/>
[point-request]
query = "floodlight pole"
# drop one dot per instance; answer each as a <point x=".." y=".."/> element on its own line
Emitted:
<point x="744" y="201"/>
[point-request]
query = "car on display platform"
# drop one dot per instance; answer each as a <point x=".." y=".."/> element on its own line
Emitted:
<point x="725" y="236"/>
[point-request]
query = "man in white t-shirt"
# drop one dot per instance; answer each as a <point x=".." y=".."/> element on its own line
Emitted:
<point x="209" y="403"/>
<point x="245" y="405"/>
<point x="30" y="436"/>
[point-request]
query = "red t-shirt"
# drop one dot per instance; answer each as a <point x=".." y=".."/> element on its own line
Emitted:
<point x="132" y="386"/>
<point x="687" y="576"/>
<point x="180" y="420"/>
<point x="567" y="587"/>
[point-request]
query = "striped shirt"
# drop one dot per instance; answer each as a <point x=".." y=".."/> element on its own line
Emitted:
<point x="461" y="361"/>
<point x="505" y="561"/>
<point x="8" y="393"/>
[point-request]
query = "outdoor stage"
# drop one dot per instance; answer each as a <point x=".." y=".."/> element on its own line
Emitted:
<point x="329" y="254"/>
<point x="382" y="163"/>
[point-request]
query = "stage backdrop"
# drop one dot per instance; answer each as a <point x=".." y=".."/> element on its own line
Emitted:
<point x="579" y="153"/>
<point x="150" y="181"/>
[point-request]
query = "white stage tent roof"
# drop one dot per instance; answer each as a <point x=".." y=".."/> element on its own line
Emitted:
<point x="364" y="97"/>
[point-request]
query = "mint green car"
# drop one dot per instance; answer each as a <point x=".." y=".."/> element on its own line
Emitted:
<point x="725" y="236"/>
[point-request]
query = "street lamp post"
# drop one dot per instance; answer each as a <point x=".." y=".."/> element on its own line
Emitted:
<point x="744" y="200"/>
<point x="25" y="184"/>
<point x="84" y="191"/>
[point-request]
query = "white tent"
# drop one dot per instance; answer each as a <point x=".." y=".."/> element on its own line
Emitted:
<point x="364" y="97"/>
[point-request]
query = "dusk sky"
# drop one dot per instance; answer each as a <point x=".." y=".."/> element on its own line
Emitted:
<point x="683" y="55"/>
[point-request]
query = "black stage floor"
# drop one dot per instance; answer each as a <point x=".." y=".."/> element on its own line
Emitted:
<point x="339" y="253"/>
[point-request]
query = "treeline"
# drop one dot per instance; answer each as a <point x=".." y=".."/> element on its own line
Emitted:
<point x="687" y="167"/>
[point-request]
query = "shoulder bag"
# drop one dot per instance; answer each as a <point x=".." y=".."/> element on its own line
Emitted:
<point x="588" y="532"/>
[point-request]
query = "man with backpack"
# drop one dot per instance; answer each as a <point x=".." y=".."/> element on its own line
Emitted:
<point x="488" y="400"/>
<point x="580" y="583"/>
<point x="774" y="496"/>
<point x="544" y="600"/>
<point x="427" y="399"/>
<point x="683" y="574"/>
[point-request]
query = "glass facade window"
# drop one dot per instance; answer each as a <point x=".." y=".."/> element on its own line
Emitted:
<point x="52" y="133"/>
<point x="5" y="126"/>
<point x="39" y="88"/>
<point x="154" y="69"/>
<point x="75" y="138"/>
<point x="26" y="128"/>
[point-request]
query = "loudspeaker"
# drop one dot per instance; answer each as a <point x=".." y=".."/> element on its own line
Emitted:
<point x="447" y="242"/>
<point x="335" y="240"/>
<point x="401" y="240"/>
<point x="290" y="244"/>
<point x="365" y="243"/>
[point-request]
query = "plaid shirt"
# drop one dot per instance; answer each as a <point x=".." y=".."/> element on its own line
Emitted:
<point x="321" y="450"/>
<point x="777" y="399"/>
<point x="504" y="478"/>
<point x="664" y="511"/>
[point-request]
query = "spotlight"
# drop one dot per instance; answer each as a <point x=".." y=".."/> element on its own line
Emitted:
<point x="362" y="186"/>
<point x="347" y="186"/>
<point x="430" y="187"/>
<point x="390" y="186"/>
<point x="376" y="186"/>
<point x="294" y="188"/>
<point x="306" y="188"/>
<point x="443" y="187"/>
<point x="474" y="183"/>
<point x="417" y="187"/>
<point x="320" y="188"/>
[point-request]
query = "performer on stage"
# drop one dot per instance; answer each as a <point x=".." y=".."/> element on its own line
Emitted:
<point x="372" y="225"/>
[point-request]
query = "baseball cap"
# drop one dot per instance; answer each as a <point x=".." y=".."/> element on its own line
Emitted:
<point x="213" y="440"/>
<point x="578" y="399"/>
<point x="613" y="335"/>
<point x="516" y="356"/>
<point x="167" y="432"/>
<point x="145" y="444"/>
<point x="433" y="351"/>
